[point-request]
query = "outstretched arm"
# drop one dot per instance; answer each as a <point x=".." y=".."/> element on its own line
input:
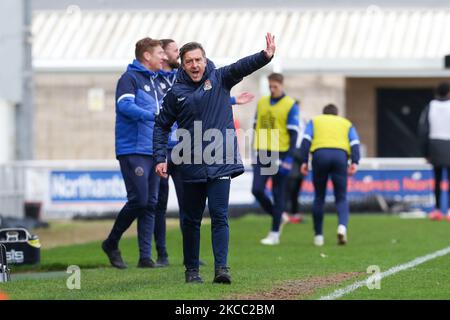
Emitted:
<point x="233" y="73"/>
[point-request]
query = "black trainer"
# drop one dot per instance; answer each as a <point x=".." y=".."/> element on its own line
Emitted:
<point x="115" y="258"/>
<point x="162" y="262"/>
<point x="146" y="263"/>
<point x="193" y="276"/>
<point x="222" y="275"/>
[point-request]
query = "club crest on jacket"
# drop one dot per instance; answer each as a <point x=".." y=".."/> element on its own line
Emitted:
<point x="207" y="86"/>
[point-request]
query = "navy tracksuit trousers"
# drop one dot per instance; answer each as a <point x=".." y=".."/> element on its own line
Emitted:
<point x="161" y="207"/>
<point x="329" y="163"/>
<point x="217" y="192"/>
<point x="141" y="183"/>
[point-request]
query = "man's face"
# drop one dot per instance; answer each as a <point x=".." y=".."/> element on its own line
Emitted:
<point x="194" y="63"/>
<point x="276" y="89"/>
<point x="154" y="59"/>
<point x="172" y="54"/>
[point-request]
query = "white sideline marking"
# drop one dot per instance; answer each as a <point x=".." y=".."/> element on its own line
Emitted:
<point x="341" y="292"/>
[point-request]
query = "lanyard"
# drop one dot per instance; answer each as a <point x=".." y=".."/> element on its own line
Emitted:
<point x="171" y="82"/>
<point x="156" y="96"/>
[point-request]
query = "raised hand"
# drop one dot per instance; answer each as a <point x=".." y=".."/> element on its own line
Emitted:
<point x="270" y="45"/>
<point x="244" y="97"/>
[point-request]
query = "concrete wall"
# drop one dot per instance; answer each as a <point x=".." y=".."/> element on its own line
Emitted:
<point x="316" y="91"/>
<point x="313" y="92"/>
<point x="7" y="131"/>
<point x="11" y="49"/>
<point x="67" y="127"/>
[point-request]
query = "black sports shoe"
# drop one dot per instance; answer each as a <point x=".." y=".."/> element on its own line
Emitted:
<point x="162" y="262"/>
<point x="222" y="275"/>
<point x="146" y="263"/>
<point x="115" y="258"/>
<point x="193" y="276"/>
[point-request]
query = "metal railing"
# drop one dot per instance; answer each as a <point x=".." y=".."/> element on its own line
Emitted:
<point x="12" y="193"/>
<point x="12" y="204"/>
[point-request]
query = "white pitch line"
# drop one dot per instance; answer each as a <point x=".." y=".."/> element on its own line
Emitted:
<point x="341" y="292"/>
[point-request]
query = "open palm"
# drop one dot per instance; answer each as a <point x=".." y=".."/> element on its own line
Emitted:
<point x="244" y="97"/>
<point x="270" y="45"/>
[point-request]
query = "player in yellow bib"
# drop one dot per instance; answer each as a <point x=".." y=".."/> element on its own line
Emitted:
<point x="276" y="132"/>
<point x="332" y="140"/>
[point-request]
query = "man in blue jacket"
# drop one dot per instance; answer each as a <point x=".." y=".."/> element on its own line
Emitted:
<point x="138" y="98"/>
<point x="200" y="103"/>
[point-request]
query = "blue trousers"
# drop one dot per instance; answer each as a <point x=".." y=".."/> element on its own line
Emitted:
<point x="161" y="207"/>
<point x="141" y="183"/>
<point x="217" y="192"/>
<point x="329" y="163"/>
<point x="275" y="208"/>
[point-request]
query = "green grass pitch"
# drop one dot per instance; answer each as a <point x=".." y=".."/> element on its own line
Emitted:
<point x="295" y="269"/>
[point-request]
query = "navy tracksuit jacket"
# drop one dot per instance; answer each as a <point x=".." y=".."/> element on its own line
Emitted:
<point x="207" y="103"/>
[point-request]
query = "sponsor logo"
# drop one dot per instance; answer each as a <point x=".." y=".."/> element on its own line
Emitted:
<point x="75" y="186"/>
<point x="14" y="256"/>
<point x="181" y="99"/>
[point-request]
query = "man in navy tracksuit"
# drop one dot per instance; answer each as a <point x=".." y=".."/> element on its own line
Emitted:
<point x="138" y="97"/>
<point x="200" y="104"/>
<point x="169" y="73"/>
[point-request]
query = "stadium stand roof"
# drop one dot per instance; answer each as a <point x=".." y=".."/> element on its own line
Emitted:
<point x="371" y="41"/>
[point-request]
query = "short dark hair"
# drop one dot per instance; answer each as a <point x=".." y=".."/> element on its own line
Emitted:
<point x="166" y="42"/>
<point x="277" y="77"/>
<point x="442" y="89"/>
<point x="145" y="45"/>
<point x="330" y="109"/>
<point x="189" y="47"/>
